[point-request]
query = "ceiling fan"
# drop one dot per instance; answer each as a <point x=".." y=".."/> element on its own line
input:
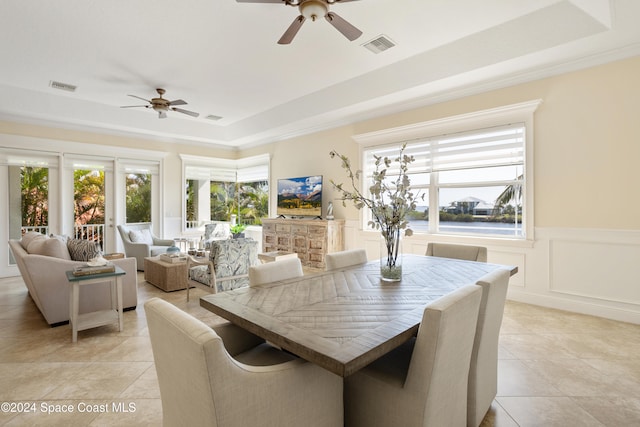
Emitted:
<point x="162" y="105"/>
<point x="313" y="9"/>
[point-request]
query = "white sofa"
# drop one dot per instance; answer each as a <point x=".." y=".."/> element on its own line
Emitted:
<point x="43" y="269"/>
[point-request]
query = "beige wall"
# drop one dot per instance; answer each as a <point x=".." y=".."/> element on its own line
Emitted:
<point x="587" y="145"/>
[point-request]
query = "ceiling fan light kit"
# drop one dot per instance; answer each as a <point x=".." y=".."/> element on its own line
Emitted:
<point x="313" y="9"/>
<point x="161" y="105"/>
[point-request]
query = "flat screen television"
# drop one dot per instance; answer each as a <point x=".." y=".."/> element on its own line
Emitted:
<point x="300" y="196"/>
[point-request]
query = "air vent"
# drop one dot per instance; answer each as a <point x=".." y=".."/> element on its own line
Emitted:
<point x="212" y="117"/>
<point x="62" y="86"/>
<point x="379" y="44"/>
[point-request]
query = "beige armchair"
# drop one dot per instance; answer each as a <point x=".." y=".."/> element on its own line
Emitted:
<point x="424" y="381"/>
<point x="464" y="252"/>
<point x="344" y="259"/>
<point x="228" y="377"/>
<point x="483" y="373"/>
<point x="147" y="245"/>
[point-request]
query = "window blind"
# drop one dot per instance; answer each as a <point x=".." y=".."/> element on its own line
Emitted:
<point x="31" y="158"/>
<point x="128" y="166"/>
<point x="496" y="146"/>
<point x="207" y="173"/>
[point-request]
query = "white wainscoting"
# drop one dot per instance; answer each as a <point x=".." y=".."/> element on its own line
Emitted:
<point x="603" y="270"/>
<point x="588" y="271"/>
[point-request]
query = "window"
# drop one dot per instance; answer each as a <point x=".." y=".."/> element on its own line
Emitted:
<point x="475" y="180"/>
<point x="226" y="190"/>
<point x="140" y="180"/>
<point x="138" y="197"/>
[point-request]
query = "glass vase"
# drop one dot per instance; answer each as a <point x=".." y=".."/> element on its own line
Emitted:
<point x="391" y="255"/>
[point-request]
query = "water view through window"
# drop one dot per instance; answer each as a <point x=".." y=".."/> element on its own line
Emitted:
<point x="422" y="226"/>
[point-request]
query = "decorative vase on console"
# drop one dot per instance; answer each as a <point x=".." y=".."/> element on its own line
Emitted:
<point x="389" y="199"/>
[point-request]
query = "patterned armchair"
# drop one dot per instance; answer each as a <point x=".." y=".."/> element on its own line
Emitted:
<point x="216" y="230"/>
<point x="230" y="260"/>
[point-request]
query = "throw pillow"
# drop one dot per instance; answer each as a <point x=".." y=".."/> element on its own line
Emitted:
<point x="83" y="250"/>
<point x="49" y="247"/>
<point x="141" y="236"/>
<point x="30" y="237"/>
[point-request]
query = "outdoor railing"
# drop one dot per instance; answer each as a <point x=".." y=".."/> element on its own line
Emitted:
<point x="93" y="232"/>
<point x="43" y="229"/>
<point x="193" y="224"/>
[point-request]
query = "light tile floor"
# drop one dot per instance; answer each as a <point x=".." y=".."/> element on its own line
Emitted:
<point x="555" y="369"/>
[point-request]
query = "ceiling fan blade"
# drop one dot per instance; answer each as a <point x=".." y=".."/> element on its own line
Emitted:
<point x="178" y="102"/>
<point x="347" y="30"/>
<point x="146" y="100"/>
<point x="162" y="114"/>
<point x="134" y="106"/>
<point x="187" y="112"/>
<point x="293" y="29"/>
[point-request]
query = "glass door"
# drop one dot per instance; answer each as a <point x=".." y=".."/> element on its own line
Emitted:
<point x="28" y="187"/>
<point x="91" y="179"/>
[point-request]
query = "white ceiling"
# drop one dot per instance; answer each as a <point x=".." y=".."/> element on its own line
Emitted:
<point x="222" y="58"/>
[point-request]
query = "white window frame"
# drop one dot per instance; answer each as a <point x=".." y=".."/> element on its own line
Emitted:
<point x="515" y="113"/>
<point x="230" y="170"/>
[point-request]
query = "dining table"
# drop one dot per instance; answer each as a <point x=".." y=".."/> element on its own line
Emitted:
<point x="344" y="319"/>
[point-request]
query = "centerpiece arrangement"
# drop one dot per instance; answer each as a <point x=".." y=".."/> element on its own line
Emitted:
<point x="390" y="199"/>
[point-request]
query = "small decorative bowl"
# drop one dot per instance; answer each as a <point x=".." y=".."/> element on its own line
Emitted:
<point x="173" y="250"/>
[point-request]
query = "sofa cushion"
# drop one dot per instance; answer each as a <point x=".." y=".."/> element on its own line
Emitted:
<point x="141" y="236"/>
<point x="49" y="247"/>
<point x="62" y="237"/>
<point x="30" y="237"/>
<point x="83" y="250"/>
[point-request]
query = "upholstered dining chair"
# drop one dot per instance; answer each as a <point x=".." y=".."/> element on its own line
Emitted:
<point x="424" y="381"/>
<point x="228" y="377"/>
<point x="483" y="372"/>
<point x="347" y="258"/>
<point x="275" y="271"/>
<point x="465" y="252"/>
<point x="139" y="242"/>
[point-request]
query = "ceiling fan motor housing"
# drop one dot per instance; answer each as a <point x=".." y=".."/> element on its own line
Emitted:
<point x="313" y="9"/>
<point x="160" y="104"/>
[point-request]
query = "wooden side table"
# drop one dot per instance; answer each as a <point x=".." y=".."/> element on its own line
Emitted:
<point x="168" y="276"/>
<point x="80" y="322"/>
